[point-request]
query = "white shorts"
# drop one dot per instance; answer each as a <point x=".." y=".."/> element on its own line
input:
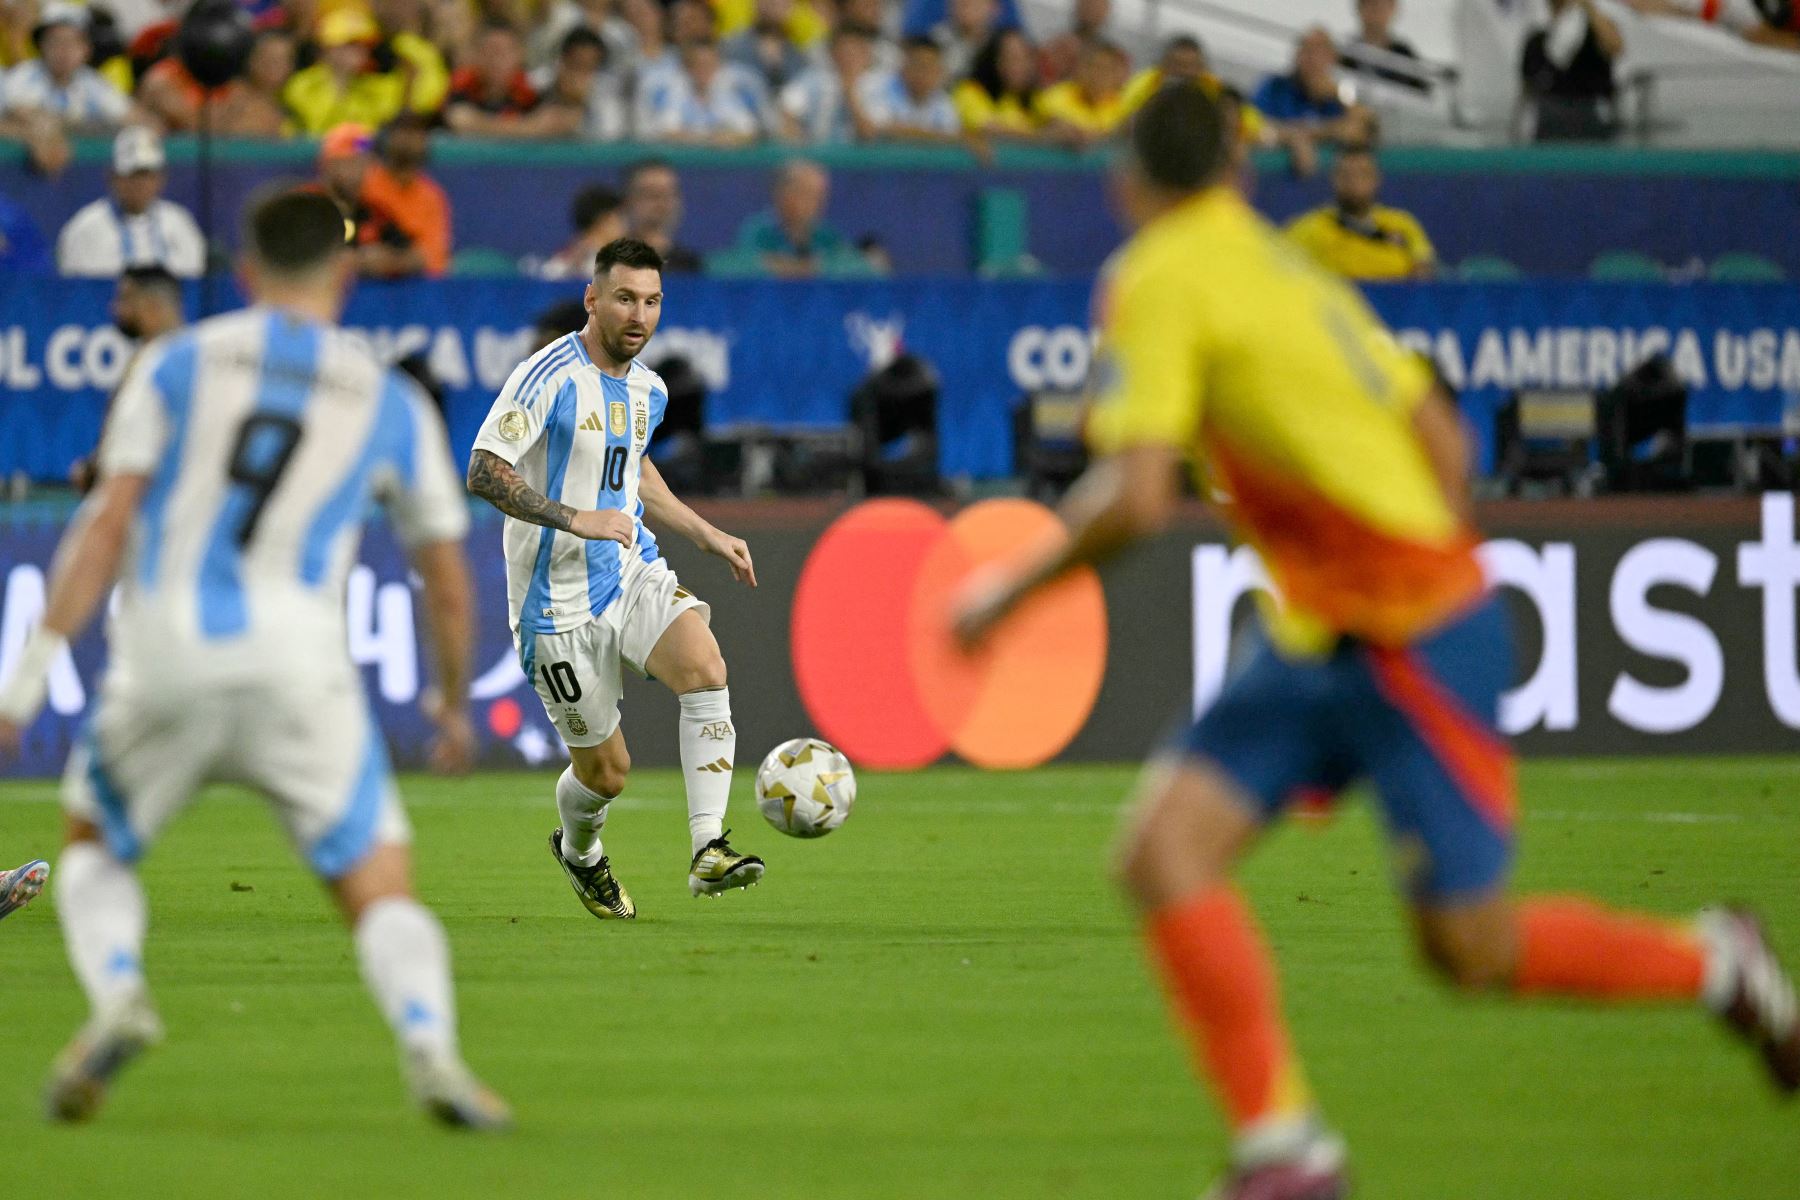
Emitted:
<point x="577" y="674"/>
<point x="313" y="750"/>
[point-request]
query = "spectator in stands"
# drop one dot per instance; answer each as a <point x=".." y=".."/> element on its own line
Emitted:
<point x="790" y="240"/>
<point x="45" y="99"/>
<point x="998" y="101"/>
<point x="767" y="47"/>
<point x="828" y="103"/>
<point x="1374" y="47"/>
<point x="804" y="23"/>
<point x="344" y="86"/>
<point x="1359" y="238"/>
<point x="600" y="17"/>
<point x="133" y="225"/>
<point x="911" y="105"/>
<point x="1090" y="106"/>
<point x="707" y="102"/>
<point x="1309" y="105"/>
<point x="598" y="217"/>
<point x="653" y="212"/>
<point x="398" y="186"/>
<point x="882" y="20"/>
<point x="1568" y="73"/>
<point x="491" y="97"/>
<point x="967" y="27"/>
<point x="409" y="56"/>
<point x="1183" y="61"/>
<point x="169" y="92"/>
<point x="146" y="304"/>
<point x="384" y="250"/>
<point x="581" y="80"/>
<point x="559" y="320"/>
<point x="1087" y="25"/>
<point x="23" y="250"/>
<point x="253" y="108"/>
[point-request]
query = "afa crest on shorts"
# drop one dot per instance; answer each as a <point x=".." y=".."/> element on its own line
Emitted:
<point x="616" y="418"/>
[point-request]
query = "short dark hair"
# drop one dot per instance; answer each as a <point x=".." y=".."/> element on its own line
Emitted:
<point x="1178" y="138"/>
<point x="922" y="41"/>
<point x="292" y="230"/>
<point x="592" y="203"/>
<point x="1184" y="41"/>
<point x="850" y="29"/>
<point x="154" y="277"/>
<point x="581" y="35"/>
<point x="498" y="25"/>
<point x="627" y="252"/>
<point x="645" y="164"/>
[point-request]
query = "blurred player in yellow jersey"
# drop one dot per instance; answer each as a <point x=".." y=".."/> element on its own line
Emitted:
<point x="1383" y="660"/>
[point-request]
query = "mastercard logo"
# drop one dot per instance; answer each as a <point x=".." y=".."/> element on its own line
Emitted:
<point x="874" y="660"/>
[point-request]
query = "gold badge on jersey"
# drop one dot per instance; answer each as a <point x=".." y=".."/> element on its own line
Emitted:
<point x="616" y="418"/>
<point x="512" y="425"/>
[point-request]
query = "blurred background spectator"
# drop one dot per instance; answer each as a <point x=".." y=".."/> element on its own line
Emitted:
<point x="768" y="47"/>
<point x="133" y="225"/>
<point x="791" y="240"/>
<point x="46" y="98"/>
<point x="1368" y="52"/>
<point x="706" y="101"/>
<point x="384" y="249"/>
<point x="970" y="25"/>
<point x="911" y="103"/>
<point x="653" y="212"/>
<point x="1568" y="68"/>
<point x="398" y="187"/>
<point x="583" y="81"/>
<point x="828" y="102"/>
<point x="597" y="217"/>
<point x="252" y="106"/>
<point x="147" y="303"/>
<point x="998" y="100"/>
<point x="491" y="97"/>
<point x="1310" y="100"/>
<point x="1089" y="106"/>
<point x="1359" y="238"/>
<point x="1088" y="22"/>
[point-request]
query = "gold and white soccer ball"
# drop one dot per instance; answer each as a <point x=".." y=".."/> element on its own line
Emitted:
<point x="805" y="788"/>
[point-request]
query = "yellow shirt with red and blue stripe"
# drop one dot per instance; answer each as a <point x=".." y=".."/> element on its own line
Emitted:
<point x="1224" y="341"/>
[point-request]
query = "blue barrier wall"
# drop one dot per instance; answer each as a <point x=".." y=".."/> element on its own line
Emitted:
<point x="1550" y="211"/>
<point x="788" y="354"/>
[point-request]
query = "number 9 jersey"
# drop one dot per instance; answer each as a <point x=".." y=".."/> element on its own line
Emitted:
<point x="264" y="437"/>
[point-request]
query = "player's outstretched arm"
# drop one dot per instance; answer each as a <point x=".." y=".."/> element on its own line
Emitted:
<point x="1119" y="501"/>
<point x="449" y="605"/>
<point x="494" y="480"/>
<point x="664" y="508"/>
<point x="86" y="563"/>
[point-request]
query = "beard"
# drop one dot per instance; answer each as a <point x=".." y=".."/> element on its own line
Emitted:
<point x="129" y="327"/>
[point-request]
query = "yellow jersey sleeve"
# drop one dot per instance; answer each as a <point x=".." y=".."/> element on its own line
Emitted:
<point x="973" y="105"/>
<point x="1311" y="232"/>
<point x="1413" y="233"/>
<point x="1148" y="388"/>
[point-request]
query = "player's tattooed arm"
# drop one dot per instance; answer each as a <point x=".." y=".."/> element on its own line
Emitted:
<point x="493" y="479"/>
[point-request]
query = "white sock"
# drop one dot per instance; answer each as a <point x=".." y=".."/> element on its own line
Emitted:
<point x="103" y="915"/>
<point x="583" y="812"/>
<point x="708" y="748"/>
<point x="406" y="964"/>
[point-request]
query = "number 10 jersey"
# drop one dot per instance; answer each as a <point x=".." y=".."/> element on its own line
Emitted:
<point x="577" y="436"/>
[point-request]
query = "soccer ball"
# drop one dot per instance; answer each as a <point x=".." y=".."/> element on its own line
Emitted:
<point x="805" y="788"/>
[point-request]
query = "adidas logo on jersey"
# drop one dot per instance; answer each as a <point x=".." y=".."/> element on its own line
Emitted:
<point x="592" y="424"/>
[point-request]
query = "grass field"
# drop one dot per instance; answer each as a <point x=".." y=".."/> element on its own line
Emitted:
<point x="942" y="1000"/>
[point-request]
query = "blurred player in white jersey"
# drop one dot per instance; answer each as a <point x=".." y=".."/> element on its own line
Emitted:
<point x="236" y="472"/>
<point x="562" y="455"/>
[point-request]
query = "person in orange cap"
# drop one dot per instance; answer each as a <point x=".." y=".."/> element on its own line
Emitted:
<point x="384" y="249"/>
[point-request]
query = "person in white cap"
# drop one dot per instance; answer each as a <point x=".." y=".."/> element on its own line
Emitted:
<point x="133" y="226"/>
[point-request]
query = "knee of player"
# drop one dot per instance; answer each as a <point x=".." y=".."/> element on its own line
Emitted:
<point x="606" y="776"/>
<point x="707" y="672"/>
<point x="1135" y="868"/>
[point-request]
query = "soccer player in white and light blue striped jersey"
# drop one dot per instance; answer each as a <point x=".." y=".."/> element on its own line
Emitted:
<point x="236" y="472"/>
<point x="562" y="454"/>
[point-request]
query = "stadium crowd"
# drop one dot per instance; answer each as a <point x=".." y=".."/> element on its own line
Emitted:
<point x="718" y="73"/>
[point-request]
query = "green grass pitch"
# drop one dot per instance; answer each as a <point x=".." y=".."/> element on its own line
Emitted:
<point x="942" y="1000"/>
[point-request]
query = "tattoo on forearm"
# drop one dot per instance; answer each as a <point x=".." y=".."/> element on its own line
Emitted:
<point x="496" y="482"/>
